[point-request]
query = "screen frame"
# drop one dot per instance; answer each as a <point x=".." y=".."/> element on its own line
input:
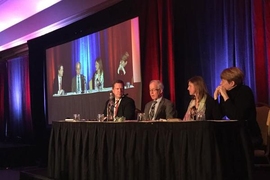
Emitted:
<point x="75" y="38"/>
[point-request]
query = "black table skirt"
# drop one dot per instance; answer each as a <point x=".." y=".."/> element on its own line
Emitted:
<point x="160" y="150"/>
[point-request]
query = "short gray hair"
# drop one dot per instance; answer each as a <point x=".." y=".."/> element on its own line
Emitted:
<point x="159" y="83"/>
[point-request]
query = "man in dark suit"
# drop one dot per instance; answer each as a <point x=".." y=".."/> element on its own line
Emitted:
<point x="160" y="107"/>
<point x="123" y="106"/>
<point x="58" y="81"/>
<point x="78" y="81"/>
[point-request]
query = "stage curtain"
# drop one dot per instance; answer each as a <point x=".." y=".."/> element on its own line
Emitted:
<point x="181" y="40"/>
<point x="261" y="17"/>
<point x="209" y="36"/>
<point x="156" y="29"/>
<point x="2" y="99"/>
<point x="19" y="122"/>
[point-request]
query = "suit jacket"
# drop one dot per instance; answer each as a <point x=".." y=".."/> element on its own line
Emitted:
<point x="126" y="108"/>
<point x="56" y="84"/>
<point x="74" y="83"/>
<point x="165" y="110"/>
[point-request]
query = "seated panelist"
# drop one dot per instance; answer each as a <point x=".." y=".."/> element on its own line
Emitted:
<point x="159" y="107"/>
<point x="123" y="106"/>
<point x="97" y="81"/>
<point x="202" y="106"/>
<point x="58" y="81"/>
<point x="78" y="81"/>
<point x="237" y="102"/>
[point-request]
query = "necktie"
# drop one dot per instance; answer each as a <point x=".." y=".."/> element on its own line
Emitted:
<point x="116" y="104"/>
<point x="152" y="110"/>
<point x="78" y="85"/>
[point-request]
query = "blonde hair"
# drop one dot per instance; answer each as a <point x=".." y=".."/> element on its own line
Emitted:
<point x="233" y="74"/>
<point x="200" y="86"/>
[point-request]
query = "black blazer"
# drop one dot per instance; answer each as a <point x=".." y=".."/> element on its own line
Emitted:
<point x="241" y="106"/>
<point x="56" y="84"/>
<point x="74" y="84"/>
<point x="212" y="111"/>
<point x="126" y="108"/>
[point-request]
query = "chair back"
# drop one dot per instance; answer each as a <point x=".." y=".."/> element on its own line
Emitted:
<point x="263" y="119"/>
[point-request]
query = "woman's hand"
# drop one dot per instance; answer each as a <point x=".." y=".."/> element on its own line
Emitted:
<point x="216" y="93"/>
<point x="221" y="91"/>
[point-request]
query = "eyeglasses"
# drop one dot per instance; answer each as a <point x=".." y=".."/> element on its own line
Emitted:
<point x="152" y="90"/>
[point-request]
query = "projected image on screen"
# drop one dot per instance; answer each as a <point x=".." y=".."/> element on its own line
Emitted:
<point x="80" y="73"/>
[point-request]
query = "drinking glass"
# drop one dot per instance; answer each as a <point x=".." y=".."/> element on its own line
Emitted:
<point x="141" y="117"/>
<point x="100" y="117"/>
<point x="128" y="84"/>
<point x="200" y="116"/>
<point x="76" y="117"/>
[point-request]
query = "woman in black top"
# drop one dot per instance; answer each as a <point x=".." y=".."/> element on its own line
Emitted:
<point x="237" y="102"/>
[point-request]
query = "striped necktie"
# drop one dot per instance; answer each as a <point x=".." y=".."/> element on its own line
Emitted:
<point x="116" y="105"/>
<point x="152" y="110"/>
<point x="79" y="84"/>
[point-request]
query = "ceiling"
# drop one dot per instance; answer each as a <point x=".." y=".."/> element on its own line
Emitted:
<point x="23" y="20"/>
<point x="15" y="11"/>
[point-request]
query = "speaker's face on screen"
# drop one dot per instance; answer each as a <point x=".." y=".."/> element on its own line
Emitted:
<point x="78" y="68"/>
<point x="97" y="66"/>
<point x="118" y="90"/>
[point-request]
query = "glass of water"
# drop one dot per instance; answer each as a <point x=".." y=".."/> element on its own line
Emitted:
<point x="100" y="117"/>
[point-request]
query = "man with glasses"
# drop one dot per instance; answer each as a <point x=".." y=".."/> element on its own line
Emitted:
<point x="78" y="81"/>
<point x="159" y="107"/>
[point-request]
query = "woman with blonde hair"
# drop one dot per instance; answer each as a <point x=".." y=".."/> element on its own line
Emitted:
<point x="237" y="102"/>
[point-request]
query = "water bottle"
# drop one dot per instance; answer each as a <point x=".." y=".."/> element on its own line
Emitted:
<point x="110" y="108"/>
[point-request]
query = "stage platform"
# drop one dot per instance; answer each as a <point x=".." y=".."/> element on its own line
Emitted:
<point x="34" y="174"/>
<point x="262" y="173"/>
<point x="17" y="154"/>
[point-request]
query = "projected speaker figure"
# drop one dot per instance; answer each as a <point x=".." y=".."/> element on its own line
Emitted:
<point x="97" y="59"/>
<point x="58" y="81"/>
<point x="78" y="81"/>
<point x="97" y="80"/>
<point x="122" y="64"/>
